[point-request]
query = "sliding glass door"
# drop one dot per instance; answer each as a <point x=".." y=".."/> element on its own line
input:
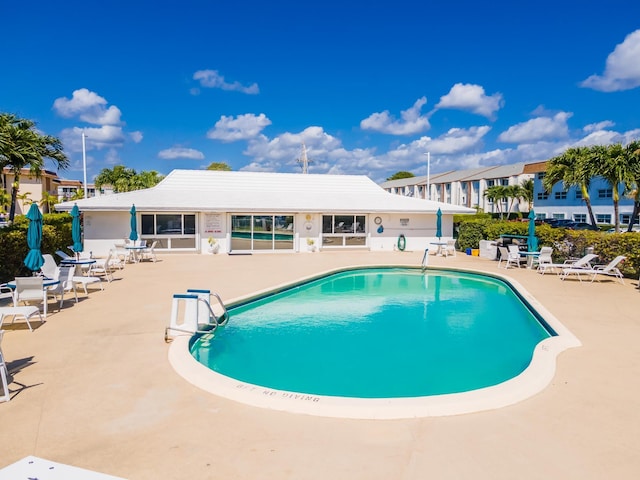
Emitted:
<point x="261" y="233"/>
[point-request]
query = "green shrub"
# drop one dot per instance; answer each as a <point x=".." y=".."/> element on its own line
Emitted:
<point x="56" y="235"/>
<point x="565" y="243"/>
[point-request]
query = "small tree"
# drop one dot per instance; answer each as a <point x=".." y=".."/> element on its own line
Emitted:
<point x="219" y="166"/>
<point x="400" y="175"/>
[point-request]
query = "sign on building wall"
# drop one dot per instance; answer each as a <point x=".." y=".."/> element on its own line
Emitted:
<point x="212" y="223"/>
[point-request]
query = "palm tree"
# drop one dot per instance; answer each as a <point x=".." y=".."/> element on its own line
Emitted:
<point x="78" y="194"/>
<point x="574" y="168"/>
<point x="23" y="197"/>
<point x="632" y="152"/>
<point x="512" y="193"/>
<point x="527" y="191"/>
<point x="48" y="202"/>
<point x="495" y="194"/>
<point x="22" y="146"/>
<point x="613" y="167"/>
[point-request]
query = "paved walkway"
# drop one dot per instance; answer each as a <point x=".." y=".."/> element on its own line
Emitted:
<point x="95" y="390"/>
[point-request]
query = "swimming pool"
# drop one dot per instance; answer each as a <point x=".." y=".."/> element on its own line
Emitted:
<point x="383" y="339"/>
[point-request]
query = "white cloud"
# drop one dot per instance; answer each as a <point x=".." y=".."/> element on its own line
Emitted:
<point x="622" y="70"/>
<point x="472" y="98"/>
<point x="536" y="129"/>
<point x="242" y="127"/>
<point x="213" y="79"/>
<point x="412" y="122"/>
<point x="107" y="136"/>
<point x="180" y="152"/>
<point x="592" y="127"/>
<point x="136" y="136"/>
<point x="325" y="152"/>
<point x="89" y="107"/>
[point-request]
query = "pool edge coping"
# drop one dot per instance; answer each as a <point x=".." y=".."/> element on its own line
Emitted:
<point x="535" y="378"/>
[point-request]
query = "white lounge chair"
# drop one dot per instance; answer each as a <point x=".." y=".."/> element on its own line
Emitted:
<point x="63" y="255"/>
<point x="584" y="262"/>
<point x="611" y="270"/>
<point x="25" y="312"/>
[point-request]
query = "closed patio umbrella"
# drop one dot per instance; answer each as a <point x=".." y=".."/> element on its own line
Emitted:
<point x="532" y="240"/>
<point x="133" y="236"/>
<point x="76" y="233"/>
<point x="34" y="260"/>
<point x="439" y="224"/>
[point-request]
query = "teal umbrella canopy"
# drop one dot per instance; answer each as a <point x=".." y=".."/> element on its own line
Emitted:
<point x="34" y="260"/>
<point x="439" y="223"/>
<point x="532" y="240"/>
<point x="76" y="232"/>
<point x="134" y="224"/>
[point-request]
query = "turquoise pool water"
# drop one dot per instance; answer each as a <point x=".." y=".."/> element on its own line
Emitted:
<point x="378" y="333"/>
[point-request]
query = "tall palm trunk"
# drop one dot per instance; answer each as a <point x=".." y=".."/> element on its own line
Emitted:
<point x="14" y="196"/>
<point x="587" y="202"/>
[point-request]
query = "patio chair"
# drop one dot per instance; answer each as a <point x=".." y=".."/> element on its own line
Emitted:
<point x="64" y="275"/>
<point x="102" y="266"/>
<point x="4" y="374"/>
<point x="149" y="253"/>
<point x="544" y="258"/>
<point x="450" y="248"/>
<point x="508" y="257"/>
<point x="584" y="262"/>
<point x="29" y="290"/>
<point x="611" y="270"/>
<point x="514" y="257"/>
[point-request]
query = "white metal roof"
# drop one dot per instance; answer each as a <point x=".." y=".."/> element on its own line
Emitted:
<point x="218" y="191"/>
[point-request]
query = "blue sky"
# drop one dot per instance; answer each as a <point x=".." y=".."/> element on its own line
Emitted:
<point x="369" y="87"/>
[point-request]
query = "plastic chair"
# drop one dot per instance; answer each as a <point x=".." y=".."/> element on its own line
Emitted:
<point x="149" y="253"/>
<point x="65" y="276"/>
<point x="30" y="291"/>
<point x="450" y="248"/>
<point x="102" y="266"/>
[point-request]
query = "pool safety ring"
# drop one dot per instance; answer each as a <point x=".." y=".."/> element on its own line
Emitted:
<point x="402" y="242"/>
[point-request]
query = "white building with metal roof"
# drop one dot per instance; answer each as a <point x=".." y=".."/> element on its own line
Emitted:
<point x="464" y="187"/>
<point x="247" y="212"/>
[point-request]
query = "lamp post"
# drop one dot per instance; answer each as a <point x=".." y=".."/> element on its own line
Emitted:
<point x="428" y="194"/>
<point x="84" y="164"/>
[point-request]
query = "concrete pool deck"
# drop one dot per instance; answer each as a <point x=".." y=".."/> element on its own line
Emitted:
<point x="93" y="388"/>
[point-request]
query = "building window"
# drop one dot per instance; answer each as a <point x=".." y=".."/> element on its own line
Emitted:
<point x="605" y="193"/>
<point x="344" y="231"/>
<point x="625" y="219"/>
<point x="490" y="183"/>
<point x="504" y="182"/>
<point x="170" y="231"/>
<point x="580" y="217"/>
<point x="543" y="195"/>
<point x="561" y="195"/>
<point x="579" y="194"/>
<point x="558" y="216"/>
<point x="603" y="218"/>
<point x="540" y="175"/>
